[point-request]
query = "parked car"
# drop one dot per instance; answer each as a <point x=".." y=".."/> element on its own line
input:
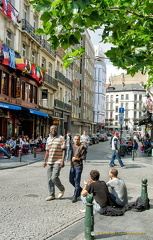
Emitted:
<point x="94" y="138"/>
<point x="109" y="134"/>
<point x="102" y="137"/>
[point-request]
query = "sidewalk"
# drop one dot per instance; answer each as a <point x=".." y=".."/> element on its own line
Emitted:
<point x="132" y="225"/>
<point x="6" y="163"/>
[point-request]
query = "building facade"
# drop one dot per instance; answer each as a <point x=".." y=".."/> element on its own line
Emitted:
<point x="127" y="96"/>
<point x="99" y="89"/>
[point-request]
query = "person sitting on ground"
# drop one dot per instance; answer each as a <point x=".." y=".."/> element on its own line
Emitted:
<point x="148" y="146"/>
<point x="117" y="189"/>
<point x="99" y="190"/>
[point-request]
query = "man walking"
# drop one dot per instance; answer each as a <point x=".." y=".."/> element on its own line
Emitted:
<point x="77" y="157"/>
<point x="115" y="150"/>
<point x="85" y="139"/>
<point x="68" y="138"/>
<point x="55" y="153"/>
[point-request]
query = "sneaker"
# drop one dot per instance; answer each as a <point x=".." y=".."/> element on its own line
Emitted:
<point x="123" y="166"/>
<point x="50" y="198"/>
<point x="74" y="200"/>
<point x="60" y="194"/>
<point x="82" y="210"/>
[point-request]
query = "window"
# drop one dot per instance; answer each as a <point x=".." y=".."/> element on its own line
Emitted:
<point x="24" y="50"/>
<point x="135" y="97"/>
<point x="34" y="94"/>
<point x="127" y="96"/>
<point x="5" y="83"/>
<point x="9" y="39"/>
<point x="122" y="97"/>
<point x="116" y="100"/>
<point x="50" y="69"/>
<point x="116" y="109"/>
<point x="43" y="62"/>
<point x="13" y="83"/>
<point x="122" y="105"/>
<point x="33" y="57"/>
<point x="25" y="12"/>
<point x="111" y="97"/>
<point x="17" y="88"/>
<point x="23" y="90"/>
<point x="126" y="105"/>
<point x="35" y="22"/>
<point x="116" y="118"/>
<point x="27" y="92"/>
<point x="135" y="114"/>
<point x="140" y="97"/>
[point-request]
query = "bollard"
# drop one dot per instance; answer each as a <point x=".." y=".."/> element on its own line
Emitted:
<point x="133" y="155"/>
<point x="35" y="151"/>
<point x="20" y="155"/>
<point x="89" y="218"/>
<point x="144" y="194"/>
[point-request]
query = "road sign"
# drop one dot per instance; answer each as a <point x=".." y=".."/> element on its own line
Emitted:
<point x="121" y="110"/>
<point x="121" y="115"/>
<point x="121" y="120"/>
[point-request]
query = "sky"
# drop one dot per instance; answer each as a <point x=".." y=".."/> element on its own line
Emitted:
<point x="111" y="70"/>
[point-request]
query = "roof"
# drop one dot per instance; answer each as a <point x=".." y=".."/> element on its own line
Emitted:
<point x="125" y="87"/>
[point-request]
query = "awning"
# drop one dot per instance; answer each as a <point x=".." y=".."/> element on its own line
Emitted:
<point x="9" y="106"/>
<point x="38" y="112"/>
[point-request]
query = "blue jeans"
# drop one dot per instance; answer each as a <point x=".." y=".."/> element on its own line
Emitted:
<point x="68" y="153"/>
<point x="53" y="173"/>
<point x="75" y="179"/>
<point x="116" y="155"/>
<point x="5" y="152"/>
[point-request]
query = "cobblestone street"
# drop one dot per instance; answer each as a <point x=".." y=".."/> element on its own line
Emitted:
<point x="26" y="215"/>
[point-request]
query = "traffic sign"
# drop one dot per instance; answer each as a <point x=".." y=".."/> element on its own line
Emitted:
<point x="121" y="120"/>
<point x="121" y="114"/>
<point x="121" y="110"/>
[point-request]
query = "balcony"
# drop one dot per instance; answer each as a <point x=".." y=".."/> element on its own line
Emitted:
<point x="47" y="46"/>
<point x="62" y="105"/>
<point x="68" y="82"/>
<point x="50" y="80"/>
<point x="29" y="29"/>
<point x="45" y="103"/>
<point x="10" y="11"/>
<point x="62" y="78"/>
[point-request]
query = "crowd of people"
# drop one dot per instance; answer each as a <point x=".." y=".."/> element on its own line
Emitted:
<point x="11" y="146"/>
<point x="113" y="193"/>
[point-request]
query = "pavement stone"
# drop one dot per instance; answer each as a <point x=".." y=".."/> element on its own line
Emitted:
<point x="60" y="219"/>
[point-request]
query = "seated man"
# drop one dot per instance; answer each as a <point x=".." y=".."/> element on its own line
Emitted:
<point x="117" y="189"/>
<point x="99" y="190"/>
<point x="148" y="146"/>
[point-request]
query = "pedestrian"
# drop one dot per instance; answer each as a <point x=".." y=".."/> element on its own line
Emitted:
<point x="77" y="156"/>
<point x="135" y="146"/>
<point x="55" y="153"/>
<point x="68" y="140"/>
<point x="85" y="139"/>
<point x="5" y="152"/>
<point x="115" y="150"/>
<point x="117" y="189"/>
<point x="99" y="190"/>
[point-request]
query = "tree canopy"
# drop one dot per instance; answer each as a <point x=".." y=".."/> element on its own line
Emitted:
<point x="127" y="24"/>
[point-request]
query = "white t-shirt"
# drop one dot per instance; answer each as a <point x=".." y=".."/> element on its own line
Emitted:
<point x="118" y="188"/>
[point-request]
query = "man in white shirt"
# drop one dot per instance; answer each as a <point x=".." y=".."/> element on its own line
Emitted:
<point x="117" y="189"/>
<point x="115" y="150"/>
<point x="85" y="139"/>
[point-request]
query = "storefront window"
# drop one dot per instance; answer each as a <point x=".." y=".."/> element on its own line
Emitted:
<point x="23" y="90"/>
<point x="17" y="90"/>
<point x="34" y="95"/>
<point x="5" y="81"/>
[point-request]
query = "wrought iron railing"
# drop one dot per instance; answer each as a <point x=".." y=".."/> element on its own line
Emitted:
<point x="62" y="105"/>
<point x="52" y="81"/>
<point x="29" y="29"/>
<point x="47" y="46"/>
